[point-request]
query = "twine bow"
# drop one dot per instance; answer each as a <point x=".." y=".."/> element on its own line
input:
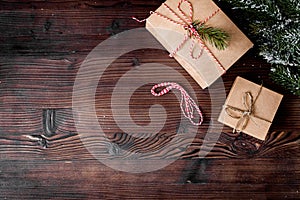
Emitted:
<point x="187" y="104"/>
<point x="186" y="21"/>
<point x="244" y="115"/>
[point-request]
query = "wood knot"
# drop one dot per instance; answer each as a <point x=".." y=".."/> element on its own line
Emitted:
<point x="135" y="62"/>
<point x="49" y="118"/>
<point x="114" y="28"/>
<point x="113" y="149"/>
<point x="40" y="139"/>
<point x="246" y="145"/>
<point x="47" y="25"/>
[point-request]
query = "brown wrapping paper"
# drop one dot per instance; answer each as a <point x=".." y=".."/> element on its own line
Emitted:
<point x="204" y="70"/>
<point x="264" y="109"/>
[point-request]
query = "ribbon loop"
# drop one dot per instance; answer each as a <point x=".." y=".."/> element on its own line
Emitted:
<point x="187" y="104"/>
<point x="193" y="46"/>
<point x="243" y="116"/>
<point x="248" y="101"/>
<point x="188" y="18"/>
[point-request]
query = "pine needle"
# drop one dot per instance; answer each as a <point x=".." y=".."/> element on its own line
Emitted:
<point x="274" y="26"/>
<point x="215" y="36"/>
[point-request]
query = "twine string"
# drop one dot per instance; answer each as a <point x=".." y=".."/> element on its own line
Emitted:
<point x="186" y="21"/>
<point x="187" y="104"/>
<point x="244" y="115"/>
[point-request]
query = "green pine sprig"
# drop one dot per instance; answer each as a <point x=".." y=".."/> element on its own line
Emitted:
<point x="215" y="36"/>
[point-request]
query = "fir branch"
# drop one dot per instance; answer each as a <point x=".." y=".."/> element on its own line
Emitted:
<point x="215" y="36"/>
<point x="275" y="28"/>
<point x="287" y="77"/>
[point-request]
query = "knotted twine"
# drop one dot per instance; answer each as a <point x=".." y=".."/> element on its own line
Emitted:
<point x="244" y="114"/>
<point x="186" y="21"/>
<point x="187" y="104"/>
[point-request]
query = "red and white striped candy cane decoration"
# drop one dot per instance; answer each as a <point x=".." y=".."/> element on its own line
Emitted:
<point x="187" y="104"/>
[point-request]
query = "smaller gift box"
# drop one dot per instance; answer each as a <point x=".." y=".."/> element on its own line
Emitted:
<point x="172" y="24"/>
<point x="250" y="108"/>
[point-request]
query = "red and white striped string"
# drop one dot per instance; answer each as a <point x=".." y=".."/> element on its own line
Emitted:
<point x="187" y="104"/>
<point x="186" y="21"/>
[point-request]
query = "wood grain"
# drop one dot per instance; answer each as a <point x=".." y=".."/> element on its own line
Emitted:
<point x="43" y="45"/>
<point x="204" y="179"/>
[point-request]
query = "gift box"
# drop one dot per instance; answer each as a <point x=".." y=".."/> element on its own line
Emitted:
<point x="250" y="108"/>
<point x="171" y="25"/>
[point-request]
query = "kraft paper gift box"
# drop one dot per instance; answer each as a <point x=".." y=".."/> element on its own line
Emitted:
<point x="205" y="70"/>
<point x="250" y="108"/>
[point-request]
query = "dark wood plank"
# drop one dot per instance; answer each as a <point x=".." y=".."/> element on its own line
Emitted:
<point x="77" y="4"/>
<point x="204" y="179"/>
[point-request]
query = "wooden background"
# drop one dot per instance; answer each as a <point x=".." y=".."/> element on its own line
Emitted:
<point x="42" y="46"/>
